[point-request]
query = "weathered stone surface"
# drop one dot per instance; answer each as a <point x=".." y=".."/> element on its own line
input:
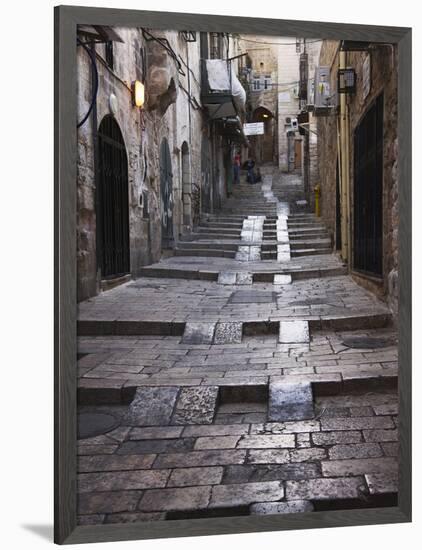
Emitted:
<point x="292" y="507"/>
<point x="268" y="456"/>
<point x="159" y="432"/>
<point x="196" y="405"/>
<point x="227" y="278"/>
<point x="244" y="278"/>
<point x="180" y="477"/>
<point x="391" y="449"/>
<point x="266" y="441"/>
<point x="198" y="333"/>
<point x="108" y="502"/>
<point x="216" y="442"/>
<point x="97" y="449"/>
<point x="200" y="458"/>
<point x="380" y="435"/>
<point x="107" y="463"/>
<point x="387" y="409"/>
<point x="333" y="438"/>
<point x="252" y="297"/>
<point x="269" y="472"/>
<point x="307" y="454"/>
<point x="228" y="333"/>
<point x="120" y="481"/>
<point x="290" y="401"/>
<point x="356" y="450"/>
<point x="365" y="423"/>
<point x="185" y="498"/>
<point x="294" y="332"/>
<point x="355" y="467"/>
<point x="152" y="406"/>
<point x="246" y="493"/>
<point x="215" y="430"/>
<point x="156" y="446"/>
<point x="286" y="427"/>
<point x="282" y="279"/>
<point x="324" y="489"/>
<point x="379" y="484"/>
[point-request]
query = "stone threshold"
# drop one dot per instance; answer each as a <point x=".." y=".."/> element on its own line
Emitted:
<point x="257" y="276"/>
<point x="102" y="327"/>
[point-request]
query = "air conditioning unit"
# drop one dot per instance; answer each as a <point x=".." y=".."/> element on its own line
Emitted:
<point x="291" y="124"/>
<point x="325" y="100"/>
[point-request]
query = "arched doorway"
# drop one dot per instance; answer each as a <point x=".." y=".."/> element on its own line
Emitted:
<point x="113" y="201"/>
<point x="166" y="186"/>
<point x="187" y="186"/>
<point x="264" y="145"/>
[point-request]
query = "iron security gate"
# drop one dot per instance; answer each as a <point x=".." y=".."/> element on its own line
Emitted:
<point x="113" y="201"/>
<point x="368" y="191"/>
<point x="166" y="186"/>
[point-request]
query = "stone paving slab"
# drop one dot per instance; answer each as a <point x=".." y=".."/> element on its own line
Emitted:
<point x="292" y="332"/>
<point x="290" y="401"/>
<point x="198" y="333"/>
<point x="152" y="406"/>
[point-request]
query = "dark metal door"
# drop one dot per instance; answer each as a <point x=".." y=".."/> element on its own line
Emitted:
<point x="166" y="186"/>
<point x="113" y="201"/>
<point x="368" y="176"/>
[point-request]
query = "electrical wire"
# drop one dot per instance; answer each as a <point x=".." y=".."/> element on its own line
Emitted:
<point x="95" y="86"/>
<point x="279" y="43"/>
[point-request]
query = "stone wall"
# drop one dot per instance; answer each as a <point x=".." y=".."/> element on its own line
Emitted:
<point x="383" y="80"/>
<point x="169" y="112"/>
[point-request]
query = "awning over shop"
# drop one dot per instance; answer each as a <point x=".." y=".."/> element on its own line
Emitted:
<point x="224" y="96"/>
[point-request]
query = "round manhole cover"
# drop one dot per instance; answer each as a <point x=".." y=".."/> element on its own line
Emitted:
<point x="92" y="424"/>
<point x="366" y="342"/>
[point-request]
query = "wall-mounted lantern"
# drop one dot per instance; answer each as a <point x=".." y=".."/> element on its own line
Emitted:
<point x="346" y="81"/>
<point x="138" y="94"/>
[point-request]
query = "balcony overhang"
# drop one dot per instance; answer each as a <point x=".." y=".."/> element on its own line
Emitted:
<point x="222" y="94"/>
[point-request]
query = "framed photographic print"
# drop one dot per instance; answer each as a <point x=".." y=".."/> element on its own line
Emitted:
<point x="233" y="274"/>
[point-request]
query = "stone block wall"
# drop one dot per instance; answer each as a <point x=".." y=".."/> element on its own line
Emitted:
<point x="169" y="112"/>
<point x="383" y="80"/>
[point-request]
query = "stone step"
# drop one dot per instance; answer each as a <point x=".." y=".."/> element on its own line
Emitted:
<point x="206" y="245"/>
<point x="130" y="327"/>
<point x="297" y="244"/>
<point x="205" y="252"/>
<point x="294" y="233"/>
<point x="217" y="235"/>
<point x="310" y="251"/>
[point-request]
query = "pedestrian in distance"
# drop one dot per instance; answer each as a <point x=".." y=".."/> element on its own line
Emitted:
<point x="249" y="167"/>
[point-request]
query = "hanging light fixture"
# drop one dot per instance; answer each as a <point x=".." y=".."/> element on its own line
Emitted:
<point x="138" y="93"/>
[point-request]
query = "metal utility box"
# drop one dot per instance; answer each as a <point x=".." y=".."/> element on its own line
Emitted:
<point x="325" y="96"/>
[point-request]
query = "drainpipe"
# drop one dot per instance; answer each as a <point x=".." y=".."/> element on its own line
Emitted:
<point x="344" y="168"/>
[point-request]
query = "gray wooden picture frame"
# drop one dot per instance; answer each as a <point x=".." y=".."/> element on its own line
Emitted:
<point x="66" y="20"/>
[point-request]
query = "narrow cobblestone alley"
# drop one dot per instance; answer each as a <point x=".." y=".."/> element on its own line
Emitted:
<point x="245" y="374"/>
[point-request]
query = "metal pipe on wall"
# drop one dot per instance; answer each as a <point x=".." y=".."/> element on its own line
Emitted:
<point x="344" y="168"/>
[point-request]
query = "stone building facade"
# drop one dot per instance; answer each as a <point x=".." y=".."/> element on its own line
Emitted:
<point x="155" y="153"/>
<point x="259" y="70"/>
<point x="371" y="128"/>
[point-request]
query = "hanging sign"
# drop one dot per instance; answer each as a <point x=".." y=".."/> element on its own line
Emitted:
<point x="253" y="128"/>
